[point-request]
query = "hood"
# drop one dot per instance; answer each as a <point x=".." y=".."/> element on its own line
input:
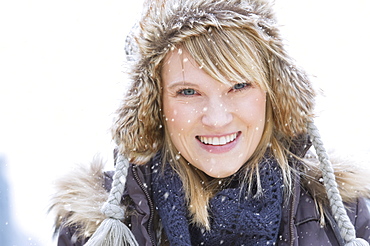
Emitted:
<point x="165" y="24"/>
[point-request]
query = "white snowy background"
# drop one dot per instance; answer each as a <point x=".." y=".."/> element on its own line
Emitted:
<point x="61" y="80"/>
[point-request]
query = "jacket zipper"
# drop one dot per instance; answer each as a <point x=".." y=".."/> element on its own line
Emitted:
<point x="292" y="211"/>
<point x="150" y="202"/>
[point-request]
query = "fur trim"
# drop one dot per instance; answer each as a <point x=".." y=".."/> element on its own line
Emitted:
<point x="79" y="197"/>
<point x="81" y="194"/>
<point x="138" y="129"/>
<point x="352" y="179"/>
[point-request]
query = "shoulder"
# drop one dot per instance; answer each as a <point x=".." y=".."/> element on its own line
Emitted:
<point x="308" y="221"/>
<point x="79" y="195"/>
<point x="313" y="213"/>
<point x="352" y="178"/>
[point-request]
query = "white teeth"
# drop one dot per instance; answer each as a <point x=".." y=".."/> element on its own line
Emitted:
<point x="222" y="140"/>
<point x="218" y="140"/>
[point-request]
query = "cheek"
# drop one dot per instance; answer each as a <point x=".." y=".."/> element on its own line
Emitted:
<point x="179" y="122"/>
<point x="179" y="117"/>
<point x="260" y="111"/>
<point x="253" y="110"/>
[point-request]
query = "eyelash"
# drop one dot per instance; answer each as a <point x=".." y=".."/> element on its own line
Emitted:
<point x="245" y="86"/>
<point x="182" y="92"/>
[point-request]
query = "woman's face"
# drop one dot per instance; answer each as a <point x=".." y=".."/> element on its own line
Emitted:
<point x="215" y="127"/>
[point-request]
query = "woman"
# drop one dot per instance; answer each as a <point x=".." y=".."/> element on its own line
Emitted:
<point x="216" y="127"/>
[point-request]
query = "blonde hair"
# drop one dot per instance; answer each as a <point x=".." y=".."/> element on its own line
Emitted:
<point x="228" y="55"/>
<point x="231" y="41"/>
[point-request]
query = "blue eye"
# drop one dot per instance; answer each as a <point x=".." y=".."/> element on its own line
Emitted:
<point x="239" y="86"/>
<point x="187" y="92"/>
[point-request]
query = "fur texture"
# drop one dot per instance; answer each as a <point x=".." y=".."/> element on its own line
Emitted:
<point x="80" y="194"/>
<point x="79" y="197"/>
<point x="138" y="129"/>
<point x="352" y="179"/>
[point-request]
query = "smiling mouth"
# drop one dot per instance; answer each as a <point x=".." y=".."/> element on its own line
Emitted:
<point x="223" y="140"/>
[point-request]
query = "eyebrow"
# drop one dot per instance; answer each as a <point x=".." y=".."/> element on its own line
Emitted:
<point x="181" y="83"/>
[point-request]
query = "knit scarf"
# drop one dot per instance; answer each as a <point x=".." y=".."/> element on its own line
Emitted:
<point x="235" y="217"/>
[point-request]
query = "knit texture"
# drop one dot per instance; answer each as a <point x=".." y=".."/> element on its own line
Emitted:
<point x="236" y="219"/>
<point x="169" y="199"/>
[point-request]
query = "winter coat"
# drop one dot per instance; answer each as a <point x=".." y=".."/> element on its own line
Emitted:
<point x="306" y="219"/>
<point x="139" y="132"/>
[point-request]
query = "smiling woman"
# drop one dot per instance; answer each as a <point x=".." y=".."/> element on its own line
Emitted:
<point x="211" y="124"/>
<point x="212" y="142"/>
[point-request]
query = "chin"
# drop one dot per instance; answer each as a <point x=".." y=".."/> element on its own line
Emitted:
<point x="221" y="173"/>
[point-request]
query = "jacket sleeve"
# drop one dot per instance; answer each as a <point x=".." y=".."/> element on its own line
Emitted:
<point x="66" y="237"/>
<point x="362" y="219"/>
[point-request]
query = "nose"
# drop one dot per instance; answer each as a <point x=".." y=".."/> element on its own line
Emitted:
<point x="216" y="114"/>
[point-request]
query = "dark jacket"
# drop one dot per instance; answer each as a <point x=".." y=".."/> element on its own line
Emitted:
<point x="300" y="220"/>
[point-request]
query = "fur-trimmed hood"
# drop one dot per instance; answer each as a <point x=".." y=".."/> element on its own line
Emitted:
<point x="81" y="193"/>
<point x="139" y="131"/>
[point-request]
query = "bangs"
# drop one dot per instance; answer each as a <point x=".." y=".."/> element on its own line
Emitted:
<point x="229" y="56"/>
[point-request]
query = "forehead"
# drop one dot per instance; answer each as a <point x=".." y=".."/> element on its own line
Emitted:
<point x="176" y="61"/>
<point x="180" y="69"/>
<point x="172" y="57"/>
<point x="180" y="66"/>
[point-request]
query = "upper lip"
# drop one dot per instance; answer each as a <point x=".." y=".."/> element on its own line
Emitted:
<point x="218" y="139"/>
